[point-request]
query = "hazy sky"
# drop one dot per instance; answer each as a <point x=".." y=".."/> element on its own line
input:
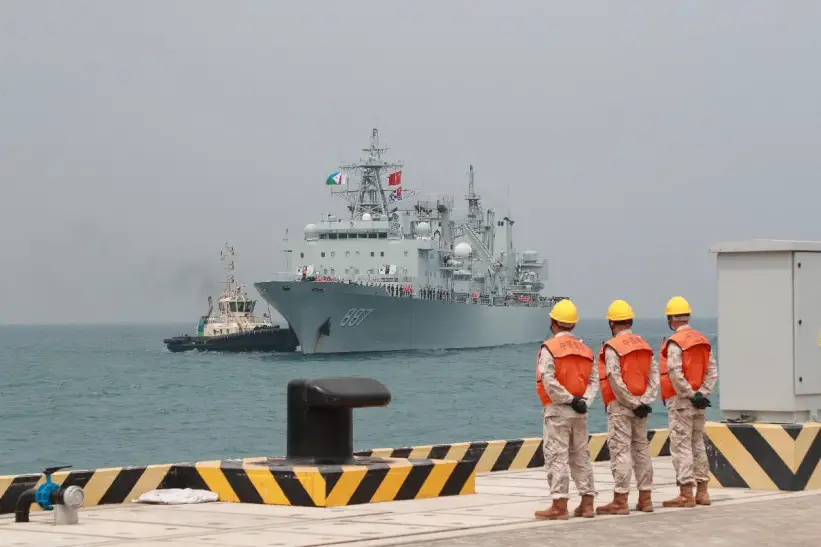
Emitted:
<point x="137" y="137"/>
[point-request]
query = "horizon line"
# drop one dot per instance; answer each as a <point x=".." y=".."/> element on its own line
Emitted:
<point x="184" y="322"/>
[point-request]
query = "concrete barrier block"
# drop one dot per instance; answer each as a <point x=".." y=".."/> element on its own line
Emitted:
<point x="765" y="456"/>
<point x="274" y="481"/>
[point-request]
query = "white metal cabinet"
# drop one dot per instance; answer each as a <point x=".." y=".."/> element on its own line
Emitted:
<point x="807" y="322"/>
<point x="769" y="324"/>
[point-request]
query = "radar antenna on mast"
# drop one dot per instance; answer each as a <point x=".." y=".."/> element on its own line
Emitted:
<point x="227" y="256"/>
<point x="369" y="195"/>
<point x="474" y="219"/>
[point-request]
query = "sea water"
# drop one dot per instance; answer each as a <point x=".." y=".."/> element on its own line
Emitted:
<point x="97" y="396"/>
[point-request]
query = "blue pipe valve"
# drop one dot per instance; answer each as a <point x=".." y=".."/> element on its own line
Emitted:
<point x="42" y="496"/>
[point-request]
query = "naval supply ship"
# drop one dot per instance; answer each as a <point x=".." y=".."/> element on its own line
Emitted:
<point x="402" y="272"/>
<point x="232" y="326"/>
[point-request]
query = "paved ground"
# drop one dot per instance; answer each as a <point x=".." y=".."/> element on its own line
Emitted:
<point x="500" y="514"/>
<point x="789" y="521"/>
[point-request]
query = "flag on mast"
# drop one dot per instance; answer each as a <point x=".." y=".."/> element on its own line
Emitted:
<point x="395" y="179"/>
<point x="335" y="179"/>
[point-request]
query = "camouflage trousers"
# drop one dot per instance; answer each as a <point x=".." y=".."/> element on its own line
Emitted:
<point x="687" y="445"/>
<point x="567" y="454"/>
<point x="629" y="452"/>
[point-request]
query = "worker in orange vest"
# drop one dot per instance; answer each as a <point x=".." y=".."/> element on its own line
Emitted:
<point x="628" y="375"/>
<point x="688" y="375"/>
<point x="566" y="382"/>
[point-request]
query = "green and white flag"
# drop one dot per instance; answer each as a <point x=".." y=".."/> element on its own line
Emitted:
<point x="335" y="179"/>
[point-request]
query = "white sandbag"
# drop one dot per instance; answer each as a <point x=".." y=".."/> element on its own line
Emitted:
<point x="175" y="496"/>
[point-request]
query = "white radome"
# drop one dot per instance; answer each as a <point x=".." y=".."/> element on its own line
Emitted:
<point x="463" y="250"/>
<point x="423" y="229"/>
<point x="366" y="217"/>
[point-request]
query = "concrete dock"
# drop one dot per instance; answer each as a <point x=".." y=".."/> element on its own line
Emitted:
<point x="500" y="513"/>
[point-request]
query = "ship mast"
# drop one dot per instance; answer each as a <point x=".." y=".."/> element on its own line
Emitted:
<point x="287" y="250"/>
<point x="474" y="209"/>
<point x="369" y="196"/>
<point x="227" y="256"/>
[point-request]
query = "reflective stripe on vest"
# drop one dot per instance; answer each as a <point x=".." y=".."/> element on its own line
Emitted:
<point x="574" y="364"/>
<point x="695" y="355"/>
<point x="635" y="358"/>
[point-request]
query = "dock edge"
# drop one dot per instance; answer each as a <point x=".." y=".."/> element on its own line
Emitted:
<point x="757" y="456"/>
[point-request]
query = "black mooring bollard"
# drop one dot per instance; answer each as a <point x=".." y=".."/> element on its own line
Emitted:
<point x="320" y="416"/>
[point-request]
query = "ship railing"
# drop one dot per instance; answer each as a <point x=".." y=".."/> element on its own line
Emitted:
<point x="357" y="278"/>
<point x="523" y="289"/>
<point x="532" y="263"/>
<point x="381" y="278"/>
<point x="284" y="276"/>
<point x="483" y="299"/>
<point x="532" y="301"/>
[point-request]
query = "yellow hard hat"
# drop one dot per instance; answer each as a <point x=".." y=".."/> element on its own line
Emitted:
<point x="564" y="311"/>
<point x="677" y="306"/>
<point x="620" y="310"/>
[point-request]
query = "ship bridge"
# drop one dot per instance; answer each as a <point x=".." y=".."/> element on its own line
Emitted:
<point x="336" y="228"/>
<point x="364" y="250"/>
<point x="237" y="303"/>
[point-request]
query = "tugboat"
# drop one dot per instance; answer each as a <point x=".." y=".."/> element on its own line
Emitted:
<point x="233" y="327"/>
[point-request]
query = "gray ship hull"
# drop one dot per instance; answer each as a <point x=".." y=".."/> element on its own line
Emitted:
<point x="344" y="318"/>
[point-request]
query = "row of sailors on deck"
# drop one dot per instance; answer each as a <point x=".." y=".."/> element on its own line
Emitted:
<point x="391" y="289"/>
<point x="568" y="377"/>
<point x="402" y="291"/>
<point x="407" y="291"/>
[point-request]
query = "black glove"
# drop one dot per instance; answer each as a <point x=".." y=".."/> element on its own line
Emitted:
<point x="642" y="410"/>
<point x="700" y="401"/>
<point x="579" y="405"/>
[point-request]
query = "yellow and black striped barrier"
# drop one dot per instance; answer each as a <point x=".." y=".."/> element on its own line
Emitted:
<point x="757" y="456"/>
<point x="101" y="486"/>
<point x="510" y="455"/>
<point x="765" y="456"/>
<point x="386" y="475"/>
<point x="269" y="481"/>
<point x="273" y="481"/>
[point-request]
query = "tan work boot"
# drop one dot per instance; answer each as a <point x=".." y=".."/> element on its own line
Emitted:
<point x="557" y="511"/>
<point x="585" y="508"/>
<point x="616" y="507"/>
<point x="684" y="499"/>
<point x="702" y="497"/>
<point x="645" y="503"/>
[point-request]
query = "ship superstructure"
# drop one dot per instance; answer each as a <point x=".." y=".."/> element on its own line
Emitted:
<point x="412" y="258"/>
<point x="235" y="309"/>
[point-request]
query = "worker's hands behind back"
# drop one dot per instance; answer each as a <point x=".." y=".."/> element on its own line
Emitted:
<point x="579" y="405"/>
<point x="700" y="401"/>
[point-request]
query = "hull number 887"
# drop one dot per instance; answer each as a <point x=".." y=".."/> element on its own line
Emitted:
<point x="355" y="316"/>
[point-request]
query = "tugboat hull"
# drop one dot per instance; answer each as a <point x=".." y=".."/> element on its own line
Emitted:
<point x="260" y="339"/>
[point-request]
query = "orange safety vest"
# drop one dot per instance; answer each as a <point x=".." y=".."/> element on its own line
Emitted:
<point x="574" y="364"/>
<point x="635" y="358"/>
<point x="695" y="355"/>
